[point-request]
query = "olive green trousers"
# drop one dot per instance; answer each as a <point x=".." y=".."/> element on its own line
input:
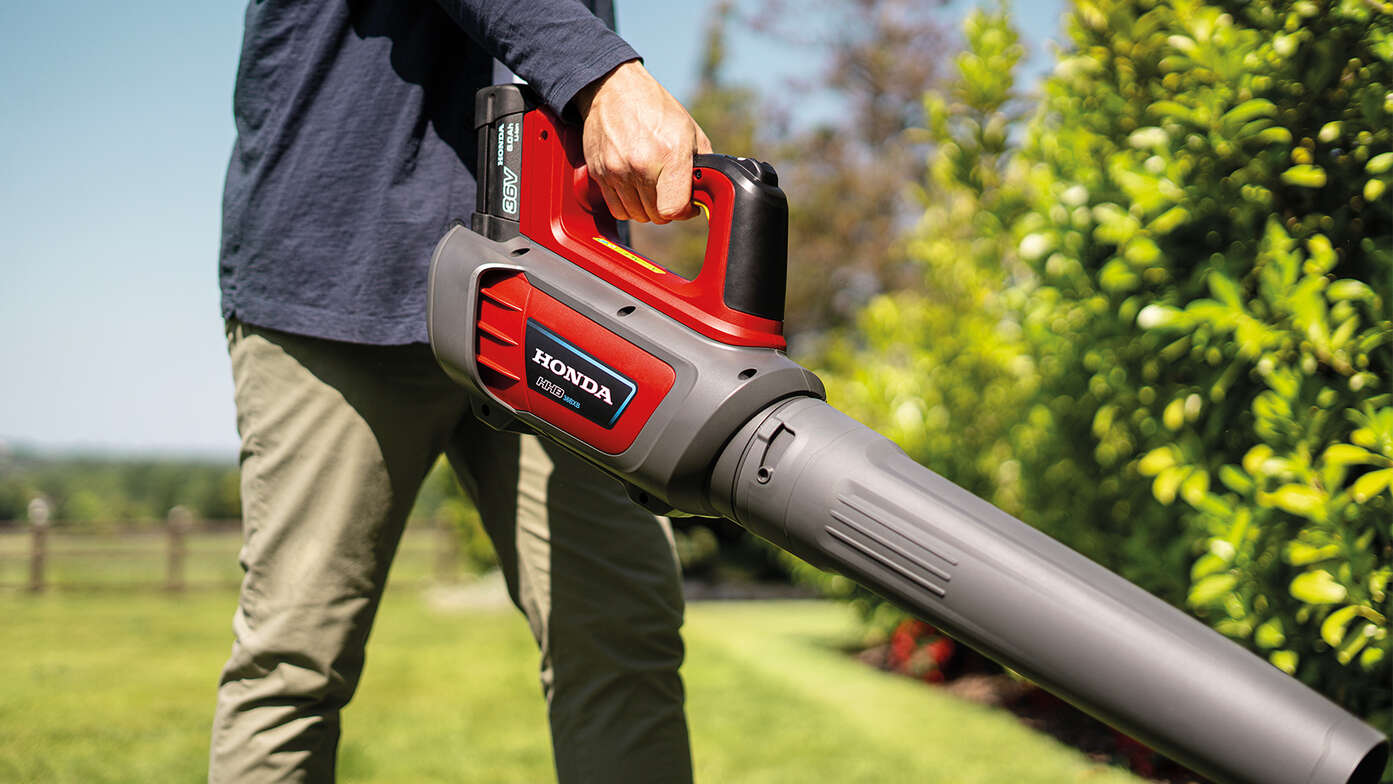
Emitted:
<point x="336" y="440"/>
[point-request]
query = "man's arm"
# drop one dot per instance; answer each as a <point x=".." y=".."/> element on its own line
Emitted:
<point x="638" y="140"/>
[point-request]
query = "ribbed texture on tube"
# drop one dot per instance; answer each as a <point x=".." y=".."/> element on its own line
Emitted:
<point x="843" y="497"/>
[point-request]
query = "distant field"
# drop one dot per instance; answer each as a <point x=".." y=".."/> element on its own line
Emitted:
<point x="95" y="558"/>
<point x="110" y="688"/>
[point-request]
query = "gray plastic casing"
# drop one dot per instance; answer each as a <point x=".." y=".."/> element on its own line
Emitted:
<point x="718" y="387"/>
<point x="839" y="495"/>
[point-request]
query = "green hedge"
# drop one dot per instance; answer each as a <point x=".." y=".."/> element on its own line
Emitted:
<point x="1185" y="374"/>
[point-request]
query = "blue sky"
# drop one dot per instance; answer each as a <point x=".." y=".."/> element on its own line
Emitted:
<point x="116" y="133"/>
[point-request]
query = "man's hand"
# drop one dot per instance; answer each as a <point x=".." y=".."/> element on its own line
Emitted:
<point x="639" y="144"/>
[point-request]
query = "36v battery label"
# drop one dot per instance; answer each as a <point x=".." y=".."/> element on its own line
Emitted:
<point x="505" y="161"/>
<point x="574" y="378"/>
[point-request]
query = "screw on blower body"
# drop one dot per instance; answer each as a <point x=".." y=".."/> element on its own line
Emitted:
<point x="680" y="389"/>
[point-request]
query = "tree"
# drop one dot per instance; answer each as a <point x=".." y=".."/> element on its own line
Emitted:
<point x="847" y="176"/>
<point x="86" y="489"/>
<point x="729" y="114"/>
<point x="851" y="177"/>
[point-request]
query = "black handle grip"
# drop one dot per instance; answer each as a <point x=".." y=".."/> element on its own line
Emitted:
<point x="757" y="251"/>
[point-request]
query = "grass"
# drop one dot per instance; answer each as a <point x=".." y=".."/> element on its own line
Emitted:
<point x="119" y="688"/>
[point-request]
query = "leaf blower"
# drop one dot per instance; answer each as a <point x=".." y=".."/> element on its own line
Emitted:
<point x="680" y="388"/>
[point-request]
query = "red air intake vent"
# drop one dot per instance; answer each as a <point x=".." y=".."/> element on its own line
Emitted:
<point x="540" y="356"/>
<point x="502" y="324"/>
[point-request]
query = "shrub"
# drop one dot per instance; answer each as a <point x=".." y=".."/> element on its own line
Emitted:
<point x="1209" y="233"/>
<point x="1187" y="378"/>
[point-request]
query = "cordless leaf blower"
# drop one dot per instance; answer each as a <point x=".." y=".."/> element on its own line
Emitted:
<point x="680" y="388"/>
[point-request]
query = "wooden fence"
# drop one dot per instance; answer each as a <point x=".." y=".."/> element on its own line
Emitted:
<point x="181" y="554"/>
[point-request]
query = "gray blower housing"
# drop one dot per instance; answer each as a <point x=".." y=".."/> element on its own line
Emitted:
<point x="835" y="493"/>
<point x="745" y="434"/>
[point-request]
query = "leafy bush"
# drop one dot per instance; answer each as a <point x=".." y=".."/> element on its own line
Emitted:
<point x="1187" y="379"/>
<point x="1206" y="221"/>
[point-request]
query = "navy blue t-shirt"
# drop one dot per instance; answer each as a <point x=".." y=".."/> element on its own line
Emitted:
<point x="355" y="147"/>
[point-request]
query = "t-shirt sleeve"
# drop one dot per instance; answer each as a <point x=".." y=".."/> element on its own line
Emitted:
<point x="558" y="46"/>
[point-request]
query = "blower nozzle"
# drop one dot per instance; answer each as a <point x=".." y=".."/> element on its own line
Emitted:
<point x="835" y="493"/>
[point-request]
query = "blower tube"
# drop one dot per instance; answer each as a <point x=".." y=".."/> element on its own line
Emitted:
<point x="835" y="493"/>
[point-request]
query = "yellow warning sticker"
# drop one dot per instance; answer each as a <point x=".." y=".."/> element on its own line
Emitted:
<point x="631" y="256"/>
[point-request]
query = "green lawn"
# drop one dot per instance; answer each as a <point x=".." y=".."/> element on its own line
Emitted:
<point x="119" y="688"/>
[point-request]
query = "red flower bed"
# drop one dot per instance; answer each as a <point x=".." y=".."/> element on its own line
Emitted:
<point x="918" y="650"/>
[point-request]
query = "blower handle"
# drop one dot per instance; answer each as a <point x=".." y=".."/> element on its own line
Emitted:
<point x="747" y="243"/>
<point x="533" y="181"/>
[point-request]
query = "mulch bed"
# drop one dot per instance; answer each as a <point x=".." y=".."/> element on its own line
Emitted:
<point x="916" y="650"/>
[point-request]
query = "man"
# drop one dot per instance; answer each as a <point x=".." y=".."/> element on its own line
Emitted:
<point x="354" y="152"/>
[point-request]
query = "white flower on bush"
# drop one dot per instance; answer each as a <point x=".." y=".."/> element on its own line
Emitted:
<point x="1150" y="136"/>
<point x="1153" y="316"/>
<point x="1034" y="245"/>
<point x="1074" y="196"/>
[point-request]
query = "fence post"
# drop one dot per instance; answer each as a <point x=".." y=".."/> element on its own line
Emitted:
<point x="446" y="549"/>
<point x="179" y="521"/>
<point x="38" y="550"/>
